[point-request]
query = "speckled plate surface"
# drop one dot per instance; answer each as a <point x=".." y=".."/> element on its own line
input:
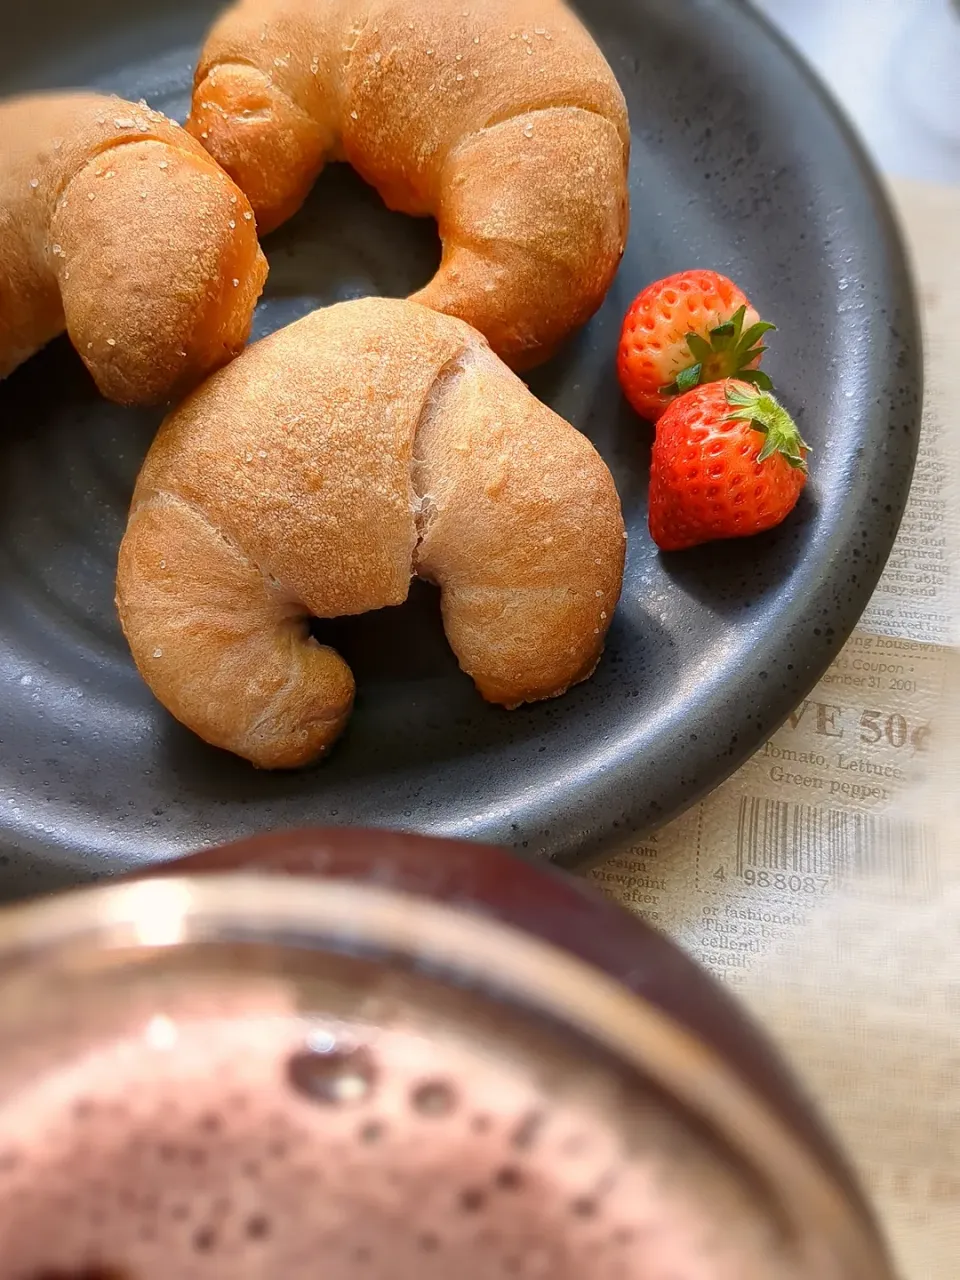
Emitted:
<point x="739" y="163"/>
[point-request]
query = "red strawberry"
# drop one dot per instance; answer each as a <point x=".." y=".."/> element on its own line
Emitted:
<point x="688" y="329"/>
<point x="727" y="461"/>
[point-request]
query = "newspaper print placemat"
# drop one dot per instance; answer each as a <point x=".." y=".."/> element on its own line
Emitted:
<point x="822" y="881"/>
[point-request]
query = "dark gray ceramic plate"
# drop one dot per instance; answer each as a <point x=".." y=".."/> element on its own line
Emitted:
<point x="739" y="164"/>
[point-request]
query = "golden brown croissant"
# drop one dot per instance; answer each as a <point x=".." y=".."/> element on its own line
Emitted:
<point x="314" y="476"/>
<point x="501" y="118"/>
<point x="116" y="225"/>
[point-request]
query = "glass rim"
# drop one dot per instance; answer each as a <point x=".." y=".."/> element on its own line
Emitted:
<point x="359" y="918"/>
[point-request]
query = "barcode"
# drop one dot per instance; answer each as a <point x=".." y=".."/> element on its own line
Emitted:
<point x="802" y="839"/>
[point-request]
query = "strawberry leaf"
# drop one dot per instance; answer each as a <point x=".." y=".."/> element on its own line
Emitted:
<point x="726" y="352"/>
<point x="689" y="378"/>
<point x="700" y="349"/>
<point x="764" y="413"/>
<point x="757" y="378"/>
<point x="726" y="330"/>
<point x="769" y="445"/>
<point x="735" y="324"/>
<point x="685" y="381"/>
<point x="755" y="332"/>
<point x="740" y="396"/>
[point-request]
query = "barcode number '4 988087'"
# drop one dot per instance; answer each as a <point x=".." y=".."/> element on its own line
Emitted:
<point x="802" y="847"/>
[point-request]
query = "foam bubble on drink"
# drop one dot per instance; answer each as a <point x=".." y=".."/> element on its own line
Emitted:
<point x="275" y="1148"/>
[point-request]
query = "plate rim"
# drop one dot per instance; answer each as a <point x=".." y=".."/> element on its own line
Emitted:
<point x="612" y="824"/>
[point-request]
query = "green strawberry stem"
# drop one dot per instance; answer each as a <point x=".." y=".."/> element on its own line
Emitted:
<point x="768" y="416"/>
<point x="726" y="355"/>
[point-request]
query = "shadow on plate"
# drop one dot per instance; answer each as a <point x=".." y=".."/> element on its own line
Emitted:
<point x="344" y="243"/>
<point x="738" y="575"/>
<point x="417" y="711"/>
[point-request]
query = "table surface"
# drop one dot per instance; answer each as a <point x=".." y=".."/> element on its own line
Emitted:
<point x="895" y="67"/>
<point x="823" y="880"/>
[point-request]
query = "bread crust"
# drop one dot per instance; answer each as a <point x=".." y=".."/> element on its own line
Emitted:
<point x="366" y="443"/>
<point x="119" y="227"/>
<point x="502" y="119"/>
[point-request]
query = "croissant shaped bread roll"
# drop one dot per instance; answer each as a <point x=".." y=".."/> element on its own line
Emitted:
<point x="116" y="225"/>
<point x="366" y="443"/>
<point x="500" y="117"/>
